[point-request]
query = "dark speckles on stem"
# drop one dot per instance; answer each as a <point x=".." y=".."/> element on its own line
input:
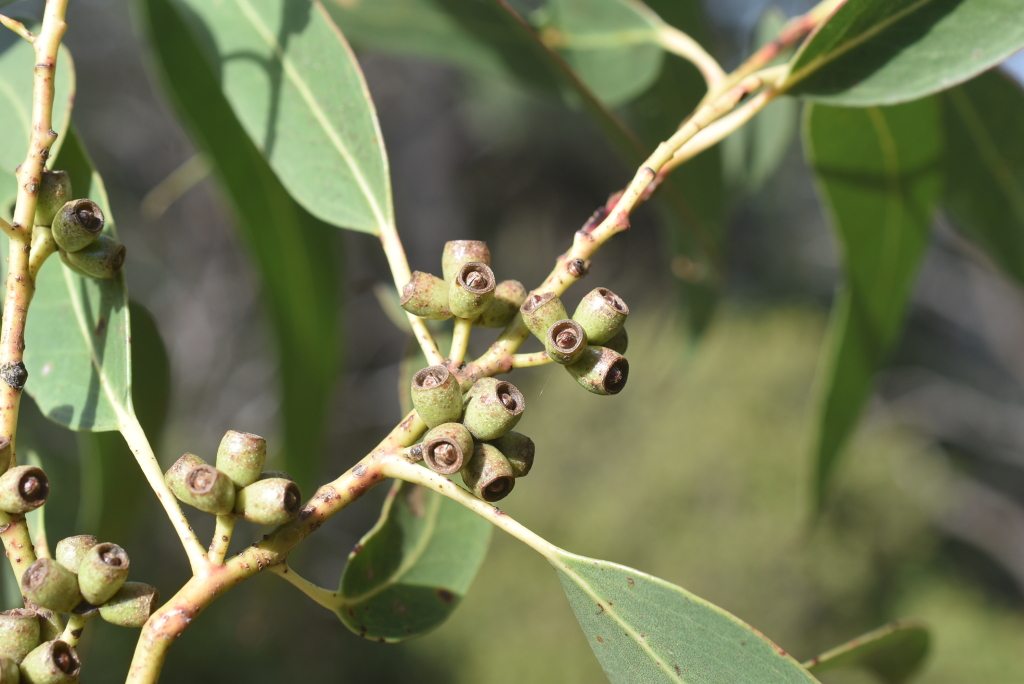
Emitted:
<point x="815" y="660"/>
<point x="359" y="470"/>
<point x="498" y="511"/>
<point x="447" y="597"/>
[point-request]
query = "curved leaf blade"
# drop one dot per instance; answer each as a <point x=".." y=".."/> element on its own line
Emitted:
<point x="409" y="573"/>
<point x="876" y="52"/>
<point x="644" y="629"/>
<point x="894" y="652"/>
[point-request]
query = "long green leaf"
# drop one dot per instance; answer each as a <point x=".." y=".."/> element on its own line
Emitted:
<point x="293" y="251"/>
<point x="874" y="52"/>
<point x="879" y="175"/>
<point x="644" y="630"/>
<point x="894" y="652"/>
<point x="409" y="573"/>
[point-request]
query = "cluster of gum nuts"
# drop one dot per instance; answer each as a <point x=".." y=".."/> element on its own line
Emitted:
<point x="472" y="433"/>
<point x="77" y="228"/>
<point x="237" y="485"/>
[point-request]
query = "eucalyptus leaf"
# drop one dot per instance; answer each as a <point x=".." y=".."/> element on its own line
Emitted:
<point x="876" y="52"/>
<point x="879" y="173"/>
<point x="409" y="573"/>
<point x="894" y="652"/>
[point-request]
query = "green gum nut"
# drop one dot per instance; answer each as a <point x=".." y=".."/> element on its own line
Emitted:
<point x="488" y="474"/>
<point x="519" y="450"/>
<point x="269" y="502"/>
<point x="49" y="584"/>
<point x="71" y="550"/>
<point x="101" y="259"/>
<point x="23" y="489"/>
<point x="54" y="193"/>
<point x="447" y="447"/>
<point x="619" y="343"/>
<point x="472" y="291"/>
<point x="602" y="314"/>
<point x="131" y="606"/>
<point x="509" y="295"/>
<point x="283" y="474"/>
<point x="51" y="662"/>
<point x="19" y="633"/>
<point x="10" y="673"/>
<point x="77" y="224"/>
<point x="458" y="253"/>
<point x="209" y="490"/>
<point x="436" y="396"/>
<point x="426" y="296"/>
<point x="541" y="311"/>
<point x="601" y="371"/>
<point x="493" y="407"/>
<point x="175" y="475"/>
<point x="102" y="572"/>
<point x="565" y="342"/>
<point x="241" y="456"/>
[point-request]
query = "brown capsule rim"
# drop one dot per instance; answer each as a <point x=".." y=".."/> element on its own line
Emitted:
<point x="429" y="449"/>
<point x="535" y="301"/>
<point x="567" y="330"/>
<point x="93" y="227"/>
<point x="618" y="373"/>
<point x="33" y="485"/>
<point x="65" y="659"/>
<point x="478" y="268"/>
<point x="507" y="388"/>
<point x="201" y="479"/>
<point x="438" y="374"/>
<point x="612" y="300"/>
<point x="498" y="488"/>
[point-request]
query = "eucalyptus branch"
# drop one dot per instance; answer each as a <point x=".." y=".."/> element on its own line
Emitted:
<point x="530" y="360"/>
<point x="222" y="532"/>
<point x="679" y="43"/>
<point x="401" y="274"/>
<point x="460" y="340"/>
<point x="18" y="28"/>
<point x="10" y="230"/>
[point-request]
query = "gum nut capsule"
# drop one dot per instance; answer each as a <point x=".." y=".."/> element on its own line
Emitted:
<point x="601" y="313"/>
<point x="619" y="343"/>
<point x="447" y="447"/>
<point x="241" y="456"/>
<point x="77" y="224"/>
<point x="541" y="311"/>
<point x="472" y="291"/>
<point x="51" y="662"/>
<point x="47" y="630"/>
<point x="19" y="633"/>
<point x="509" y="295"/>
<point x="565" y="342"/>
<point x="64" y="260"/>
<point x="101" y="259"/>
<point x="601" y="371"/>
<point x="71" y="550"/>
<point x="488" y="474"/>
<point x="436" y="396"/>
<point x="426" y="296"/>
<point x="269" y="502"/>
<point x="492" y="409"/>
<point x="10" y="673"/>
<point x="131" y="606"/>
<point x="175" y="475"/>
<point x="49" y="584"/>
<point x="519" y="450"/>
<point x="458" y="253"/>
<point x="102" y="572"/>
<point x="23" y="489"/>
<point x="54" y="193"/>
<point x="209" y="490"/>
<point x="268" y="474"/>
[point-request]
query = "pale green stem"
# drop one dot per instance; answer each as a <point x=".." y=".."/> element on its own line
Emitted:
<point x="43" y="246"/>
<point x="18" y="28"/>
<point x="171" y="189"/>
<point x="10" y="230"/>
<point x="460" y="340"/>
<point x="401" y="274"/>
<point x="73" y="632"/>
<point x="221" y="538"/>
<point x="530" y="360"/>
<point x="325" y="597"/>
<point x="679" y="43"/>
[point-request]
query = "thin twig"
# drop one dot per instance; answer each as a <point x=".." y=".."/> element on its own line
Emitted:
<point x="18" y="28"/>
<point x="73" y="632"/>
<point x="43" y="247"/>
<point x="460" y="340"/>
<point x="325" y="597"/>
<point x="222" y="531"/>
<point x="401" y="274"/>
<point x="530" y="360"/>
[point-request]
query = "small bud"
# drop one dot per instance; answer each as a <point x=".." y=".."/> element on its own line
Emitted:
<point x="175" y="475"/>
<point x="541" y="311"/>
<point x="269" y="502"/>
<point x="23" y="489"/>
<point x="493" y="407"/>
<point x="54" y="193"/>
<point x="472" y="291"/>
<point x="565" y="342"/>
<point x="51" y="662"/>
<point x="283" y="474"/>
<point x="102" y="572"/>
<point x="458" y="253"/>
<point x="19" y="633"/>
<point x="488" y="474"/>
<point x="601" y="313"/>
<point x="619" y="343"/>
<point x="49" y="584"/>
<point x="131" y="606"/>
<point x="71" y="550"/>
<point x="426" y="296"/>
<point x="447" y="447"/>
<point x="519" y="450"/>
<point x="77" y="224"/>
<point x="102" y="259"/>
<point x="10" y="673"/>
<point x="509" y="295"/>
<point x="436" y="395"/>
<point x="601" y="371"/>
<point x="241" y="456"/>
<point x="209" y="490"/>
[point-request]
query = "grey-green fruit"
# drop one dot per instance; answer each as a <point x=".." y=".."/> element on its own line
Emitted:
<point x="71" y="550"/>
<point x="49" y="584"/>
<point x="241" y="456"/>
<point x="77" y="224"/>
<point x="493" y="407"/>
<point x="102" y="258"/>
<point x="426" y="296"/>
<point x="601" y="371"/>
<point x="274" y="501"/>
<point x="267" y="474"/>
<point x="23" y="489"/>
<point x="103" y="570"/>
<point x="541" y="311"/>
<point x="519" y="450"/>
<point x="488" y="474"/>
<point x="209" y="490"/>
<point x="565" y="342"/>
<point x="447" y="447"/>
<point x="10" y="673"/>
<point x="19" y="633"/>
<point x="51" y="662"/>
<point x="457" y="253"/>
<point x="472" y="290"/>
<point x="602" y="314"/>
<point x="619" y="343"/>
<point x="175" y="475"/>
<point x="54" y="193"/>
<point x="509" y="295"/>
<point x="436" y="396"/>
<point x="131" y="606"/>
